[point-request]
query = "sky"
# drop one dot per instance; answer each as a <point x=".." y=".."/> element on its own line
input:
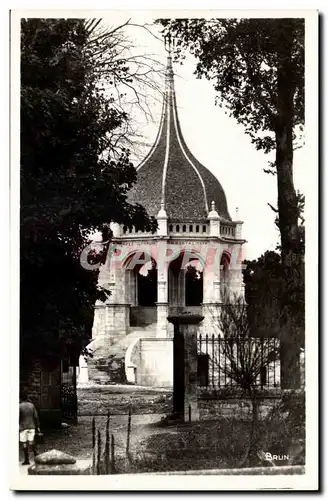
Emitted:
<point x="219" y="143"/>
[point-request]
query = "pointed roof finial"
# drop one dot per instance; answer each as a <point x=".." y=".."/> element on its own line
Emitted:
<point x="237" y="213"/>
<point x="213" y="213"/>
<point x="162" y="213"/>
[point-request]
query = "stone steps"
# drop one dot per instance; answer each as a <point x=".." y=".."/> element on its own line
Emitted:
<point x="108" y="363"/>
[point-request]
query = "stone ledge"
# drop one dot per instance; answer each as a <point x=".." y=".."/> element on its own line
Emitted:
<point x="263" y="471"/>
<point x="235" y="393"/>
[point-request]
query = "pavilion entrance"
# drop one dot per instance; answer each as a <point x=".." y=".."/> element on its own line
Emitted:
<point x="185" y="284"/>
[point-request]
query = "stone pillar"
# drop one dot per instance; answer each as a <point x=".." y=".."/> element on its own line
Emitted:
<point x="58" y="463"/>
<point x="116" y="229"/>
<point x="162" y="291"/>
<point x="238" y="225"/>
<point x="162" y="221"/>
<point x="162" y="302"/>
<point x="212" y="294"/>
<point x="236" y="284"/>
<point x="83" y="377"/>
<point x="185" y="384"/>
<point x="238" y="230"/>
<point x="182" y="288"/>
<point x="214" y="220"/>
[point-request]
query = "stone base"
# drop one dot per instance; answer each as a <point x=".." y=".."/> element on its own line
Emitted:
<point x="111" y="321"/>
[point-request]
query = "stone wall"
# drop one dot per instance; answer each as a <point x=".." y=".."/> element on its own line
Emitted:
<point x="227" y="404"/>
<point x="140" y="316"/>
<point x="30" y="382"/>
<point x="153" y="359"/>
<point x="111" y="322"/>
<point x="41" y="381"/>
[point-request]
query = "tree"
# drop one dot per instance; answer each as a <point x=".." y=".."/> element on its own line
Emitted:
<point x="70" y="183"/>
<point x="133" y="81"/>
<point x="257" y="67"/>
<point x="245" y="359"/>
<point x="263" y="278"/>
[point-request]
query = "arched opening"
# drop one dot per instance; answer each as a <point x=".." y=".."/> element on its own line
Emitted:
<point x="185" y="282"/>
<point x="147" y="284"/>
<point x="141" y="288"/>
<point x="194" y="284"/>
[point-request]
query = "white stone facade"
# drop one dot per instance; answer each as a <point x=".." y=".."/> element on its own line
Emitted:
<point x="219" y="258"/>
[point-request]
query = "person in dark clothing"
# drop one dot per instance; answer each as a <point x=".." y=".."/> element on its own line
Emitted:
<point x="28" y="424"/>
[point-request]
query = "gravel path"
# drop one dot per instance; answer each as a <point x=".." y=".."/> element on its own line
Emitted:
<point x="148" y="406"/>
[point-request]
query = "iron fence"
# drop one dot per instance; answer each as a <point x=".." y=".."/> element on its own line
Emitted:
<point x="225" y="362"/>
<point x="68" y="402"/>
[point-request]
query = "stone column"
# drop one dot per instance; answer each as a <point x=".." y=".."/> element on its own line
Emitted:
<point x="182" y="288"/>
<point x="236" y="284"/>
<point x="185" y="385"/>
<point x="212" y="293"/>
<point x="162" y="293"/>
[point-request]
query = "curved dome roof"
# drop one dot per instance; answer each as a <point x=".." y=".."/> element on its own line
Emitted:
<point x="171" y="175"/>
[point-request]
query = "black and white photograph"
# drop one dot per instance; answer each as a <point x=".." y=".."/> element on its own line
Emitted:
<point x="164" y="188"/>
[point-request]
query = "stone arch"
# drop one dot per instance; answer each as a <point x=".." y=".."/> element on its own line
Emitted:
<point x="140" y="276"/>
<point x="185" y="279"/>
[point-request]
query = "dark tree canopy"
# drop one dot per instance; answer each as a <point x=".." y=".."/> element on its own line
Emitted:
<point x="70" y="185"/>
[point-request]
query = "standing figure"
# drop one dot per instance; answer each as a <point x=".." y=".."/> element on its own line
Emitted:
<point x="28" y="424"/>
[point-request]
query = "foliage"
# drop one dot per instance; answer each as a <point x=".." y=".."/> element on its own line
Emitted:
<point x="241" y="58"/>
<point x="243" y="357"/>
<point x="257" y="68"/>
<point x="70" y="183"/>
<point x="133" y="80"/>
<point x="269" y="303"/>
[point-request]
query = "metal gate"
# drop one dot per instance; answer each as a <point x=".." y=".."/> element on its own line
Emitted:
<point x="68" y="395"/>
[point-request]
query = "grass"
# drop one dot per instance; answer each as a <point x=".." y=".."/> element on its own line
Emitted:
<point x="157" y="447"/>
<point x="219" y="444"/>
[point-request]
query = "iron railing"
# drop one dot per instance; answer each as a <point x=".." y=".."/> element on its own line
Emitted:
<point x="226" y="362"/>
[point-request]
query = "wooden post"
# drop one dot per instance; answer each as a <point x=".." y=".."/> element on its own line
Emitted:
<point x="93" y="430"/>
<point x="75" y="394"/>
<point x="128" y="433"/>
<point x="107" y="446"/>
<point x="98" y="453"/>
<point x="112" y="454"/>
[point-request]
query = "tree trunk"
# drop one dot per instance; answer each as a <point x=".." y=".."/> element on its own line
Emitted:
<point x="287" y="200"/>
<point x="250" y="454"/>
<point x="288" y="219"/>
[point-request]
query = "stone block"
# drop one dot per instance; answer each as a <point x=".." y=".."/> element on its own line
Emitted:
<point x="55" y="462"/>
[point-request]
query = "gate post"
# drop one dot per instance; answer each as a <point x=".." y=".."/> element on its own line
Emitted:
<point x="185" y="391"/>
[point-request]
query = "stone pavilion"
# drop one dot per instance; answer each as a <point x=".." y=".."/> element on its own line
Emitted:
<point x="187" y="265"/>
